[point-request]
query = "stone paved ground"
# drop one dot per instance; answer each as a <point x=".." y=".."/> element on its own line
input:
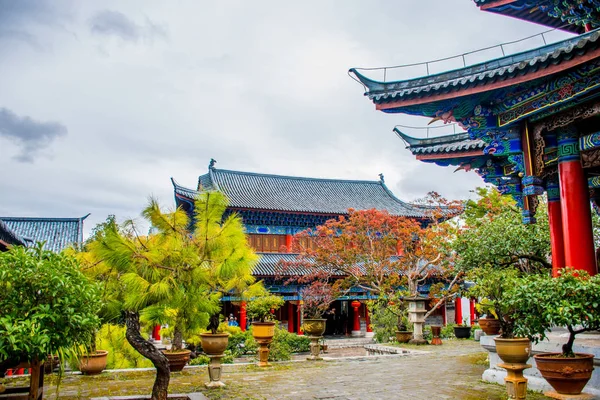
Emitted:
<point x="451" y="371"/>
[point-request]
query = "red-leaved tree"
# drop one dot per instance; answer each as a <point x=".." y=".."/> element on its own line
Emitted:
<point x="382" y="253"/>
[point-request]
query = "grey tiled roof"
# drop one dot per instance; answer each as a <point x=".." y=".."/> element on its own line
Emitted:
<point x="57" y="233"/>
<point x="456" y="143"/>
<point x="9" y="237"/>
<point x="478" y="74"/>
<point x="247" y="190"/>
<point x="270" y="264"/>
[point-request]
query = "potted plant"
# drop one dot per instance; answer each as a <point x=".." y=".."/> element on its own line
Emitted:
<point x="463" y="331"/>
<point x="178" y="356"/>
<point x="263" y="308"/>
<point x="493" y="285"/>
<point x="92" y="361"/>
<point x="403" y="335"/>
<point x="316" y="299"/>
<point x="489" y="323"/>
<point x="570" y="300"/>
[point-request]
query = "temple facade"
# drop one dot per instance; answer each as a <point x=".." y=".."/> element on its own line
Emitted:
<point x="530" y="121"/>
<point x="274" y="208"/>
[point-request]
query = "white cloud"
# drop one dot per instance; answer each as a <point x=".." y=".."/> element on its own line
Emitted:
<point x="154" y="89"/>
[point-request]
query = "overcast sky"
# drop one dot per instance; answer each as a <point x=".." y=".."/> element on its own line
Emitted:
<point x="101" y="102"/>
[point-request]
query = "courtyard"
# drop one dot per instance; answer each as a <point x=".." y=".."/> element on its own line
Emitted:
<point x="450" y="371"/>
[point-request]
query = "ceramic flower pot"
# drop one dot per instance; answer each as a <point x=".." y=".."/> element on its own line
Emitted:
<point x="93" y="363"/>
<point x="516" y="351"/>
<point x="462" y="332"/>
<point x="314" y="326"/>
<point x="491" y="326"/>
<point x="177" y="359"/>
<point x="567" y="375"/>
<point x="214" y="344"/>
<point x="403" y="336"/>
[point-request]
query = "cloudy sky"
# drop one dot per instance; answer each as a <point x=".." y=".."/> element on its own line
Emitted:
<point x="101" y="102"/>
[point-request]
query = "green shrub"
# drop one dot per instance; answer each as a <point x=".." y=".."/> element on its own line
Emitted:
<point x="447" y="331"/>
<point x="384" y="322"/>
<point x="283" y="345"/>
<point x="47" y="306"/>
<point x="427" y="335"/>
<point x="294" y="343"/>
<point x="120" y="353"/>
<point x="279" y="351"/>
<point x="201" y="359"/>
<point x="241" y="344"/>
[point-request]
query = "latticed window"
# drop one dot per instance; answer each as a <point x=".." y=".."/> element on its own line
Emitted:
<point x="267" y="243"/>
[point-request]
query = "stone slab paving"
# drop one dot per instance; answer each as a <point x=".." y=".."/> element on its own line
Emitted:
<point x="452" y="371"/>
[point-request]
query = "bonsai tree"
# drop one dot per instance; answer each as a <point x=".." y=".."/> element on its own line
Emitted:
<point x="317" y="298"/>
<point x="160" y="276"/>
<point x="48" y="305"/>
<point x="491" y="287"/>
<point x="263" y="307"/>
<point x="570" y="300"/>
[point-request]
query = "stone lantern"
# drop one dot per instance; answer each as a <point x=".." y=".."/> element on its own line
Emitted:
<point x="416" y="315"/>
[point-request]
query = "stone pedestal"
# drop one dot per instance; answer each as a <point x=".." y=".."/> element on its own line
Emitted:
<point x="585" y="343"/>
<point x="214" y="372"/>
<point x="263" y="352"/>
<point x="315" y="348"/>
<point x="416" y="315"/>
<point x="435" y="332"/>
<point x="516" y="383"/>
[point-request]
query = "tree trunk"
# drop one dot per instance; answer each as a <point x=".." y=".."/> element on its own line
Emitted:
<point x="413" y="287"/>
<point x="177" y="338"/>
<point x="147" y="349"/>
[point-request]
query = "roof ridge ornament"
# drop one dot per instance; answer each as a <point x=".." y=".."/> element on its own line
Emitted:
<point x="212" y="163"/>
<point x="381" y="179"/>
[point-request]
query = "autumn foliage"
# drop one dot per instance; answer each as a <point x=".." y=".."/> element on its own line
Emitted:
<point x="380" y="253"/>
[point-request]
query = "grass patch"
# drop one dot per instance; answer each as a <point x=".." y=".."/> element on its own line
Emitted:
<point x="477" y="359"/>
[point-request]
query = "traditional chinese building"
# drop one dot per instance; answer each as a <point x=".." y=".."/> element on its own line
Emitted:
<point x="531" y="121"/>
<point x="275" y="207"/>
<point x="56" y="233"/>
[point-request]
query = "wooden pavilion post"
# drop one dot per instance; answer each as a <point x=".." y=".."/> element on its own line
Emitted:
<point x="556" y="229"/>
<point x="575" y="204"/>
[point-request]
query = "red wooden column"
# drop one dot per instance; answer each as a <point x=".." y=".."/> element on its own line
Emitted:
<point x="556" y="228"/>
<point x="243" y="316"/>
<point x="458" y="311"/>
<point x="156" y="333"/>
<point x="288" y="243"/>
<point x="368" y="319"/>
<point x="299" y="318"/>
<point x="356" y="321"/>
<point x="575" y="204"/>
<point x="444" y="316"/>
<point x="290" y="311"/>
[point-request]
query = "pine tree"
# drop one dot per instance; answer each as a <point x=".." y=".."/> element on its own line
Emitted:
<point x="174" y="274"/>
